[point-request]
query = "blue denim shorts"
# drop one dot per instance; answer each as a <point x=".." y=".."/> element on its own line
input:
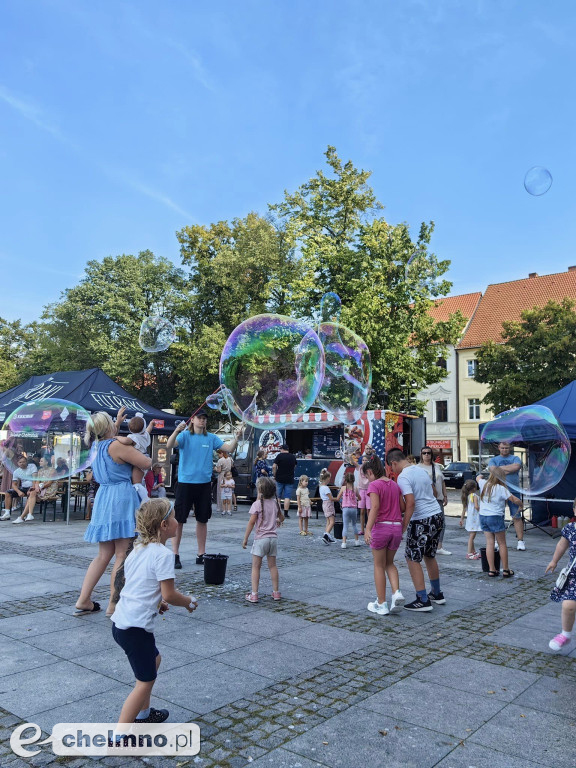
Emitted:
<point x="492" y="523"/>
<point x="284" y="490"/>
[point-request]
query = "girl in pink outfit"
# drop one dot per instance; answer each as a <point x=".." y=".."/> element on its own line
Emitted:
<point x="266" y="515"/>
<point x="349" y="497"/>
<point x="384" y="533"/>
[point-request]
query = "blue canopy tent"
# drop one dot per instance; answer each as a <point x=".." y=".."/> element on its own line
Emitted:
<point x="563" y="406"/>
<point x="92" y="389"/>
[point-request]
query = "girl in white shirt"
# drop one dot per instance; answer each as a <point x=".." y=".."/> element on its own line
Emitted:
<point x="148" y="590"/>
<point x="327" y="505"/>
<point x="493" y="497"/>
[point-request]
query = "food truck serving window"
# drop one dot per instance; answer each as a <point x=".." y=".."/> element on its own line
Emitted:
<point x="326" y="443"/>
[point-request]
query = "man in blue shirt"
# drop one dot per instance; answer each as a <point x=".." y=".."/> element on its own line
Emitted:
<point x="196" y="446"/>
<point x="511" y="465"/>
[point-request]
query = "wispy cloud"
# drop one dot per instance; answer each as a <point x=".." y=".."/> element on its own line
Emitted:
<point x="34" y="114"/>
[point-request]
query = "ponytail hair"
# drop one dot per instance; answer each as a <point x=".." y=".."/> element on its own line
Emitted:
<point x="375" y="464"/>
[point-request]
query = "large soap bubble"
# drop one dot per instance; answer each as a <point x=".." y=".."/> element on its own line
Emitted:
<point x="538" y="181"/>
<point x="538" y="439"/>
<point x="413" y="260"/>
<point x="330" y="307"/>
<point x="348" y="376"/>
<point x="51" y="428"/>
<point x="156" y="334"/>
<point x="214" y="401"/>
<point x="271" y="364"/>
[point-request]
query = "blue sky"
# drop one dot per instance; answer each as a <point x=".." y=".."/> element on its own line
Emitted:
<point x="121" y="122"/>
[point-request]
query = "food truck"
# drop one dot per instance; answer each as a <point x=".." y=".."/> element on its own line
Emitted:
<point x="319" y="440"/>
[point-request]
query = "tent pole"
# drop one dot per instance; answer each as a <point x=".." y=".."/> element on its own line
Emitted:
<point x="69" y="480"/>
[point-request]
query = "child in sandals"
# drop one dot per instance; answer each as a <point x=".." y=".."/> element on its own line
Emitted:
<point x="471" y="509"/>
<point x="493" y="497"/>
<point x="266" y="515"/>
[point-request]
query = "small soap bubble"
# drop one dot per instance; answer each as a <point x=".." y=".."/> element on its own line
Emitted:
<point x="51" y="429"/>
<point x="538" y="439"/>
<point x="156" y="334"/>
<point x="347" y="382"/>
<point x="537" y="181"/>
<point x="271" y="364"/>
<point x="330" y="307"/>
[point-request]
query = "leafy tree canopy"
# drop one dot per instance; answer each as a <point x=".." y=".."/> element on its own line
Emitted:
<point x="537" y="358"/>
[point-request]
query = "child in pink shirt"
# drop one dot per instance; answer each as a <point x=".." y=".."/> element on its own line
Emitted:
<point x="349" y="500"/>
<point x="266" y="515"/>
<point x="384" y="533"/>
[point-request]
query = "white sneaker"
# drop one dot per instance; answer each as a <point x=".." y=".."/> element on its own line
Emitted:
<point x="521" y="546"/>
<point x="343" y="545"/>
<point x="29" y="517"/>
<point x="230" y="513"/>
<point x="357" y="543"/>
<point x="442" y="551"/>
<point x="397" y="601"/>
<point x="380" y="608"/>
<point x="5" y="516"/>
<point x="18" y="520"/>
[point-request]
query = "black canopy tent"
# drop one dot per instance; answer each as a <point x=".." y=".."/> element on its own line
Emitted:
<point x="92" y="389"/>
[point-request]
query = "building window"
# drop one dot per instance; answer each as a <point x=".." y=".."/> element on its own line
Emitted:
<point x="441" y="410"/>
<point x="474" y="409"/>
<point x="441" y="363"/>
<point x="472" y="369"/>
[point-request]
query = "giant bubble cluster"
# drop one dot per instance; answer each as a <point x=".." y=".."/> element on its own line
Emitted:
<point x="59" y="424"/>
<point x="538" y="439"/>
<point x="274" y="364"/>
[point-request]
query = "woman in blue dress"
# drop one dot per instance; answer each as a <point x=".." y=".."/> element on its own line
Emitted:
<point x="115" y="505"/>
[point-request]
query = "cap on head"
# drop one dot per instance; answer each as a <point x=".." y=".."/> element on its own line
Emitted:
<point x="201" y="413"/>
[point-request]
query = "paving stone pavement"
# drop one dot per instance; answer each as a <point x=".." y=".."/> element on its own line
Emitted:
<point x="312" y="680"/>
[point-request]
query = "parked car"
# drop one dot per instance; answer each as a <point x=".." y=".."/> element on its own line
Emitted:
<point x="457" y="472"/>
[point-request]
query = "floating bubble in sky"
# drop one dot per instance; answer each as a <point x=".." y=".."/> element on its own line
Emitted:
<point x="538" y="180"/>
<point x="414" y="258"/>
<point x="156" y="334"/>
<point x="538" y="439"/>
<point x="214" y="401"/>
<point x="330" y="307"/>
<point x="271" y="364"/>
<point x="347" y="379"/>
<point x="58" y="424"/>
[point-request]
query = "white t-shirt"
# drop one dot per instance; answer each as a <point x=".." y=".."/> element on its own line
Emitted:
<point x="326" y="493"/>
<point x="145" y="567"/>
<point x="141" y="440"/>
<point x="415" y="480"/>
<point x="26" y="476"/>
<point x="497" y="503"/>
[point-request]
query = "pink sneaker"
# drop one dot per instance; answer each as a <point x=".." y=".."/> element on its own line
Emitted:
<point x="276" y="595"/>
<point x="558" y="642"/>
<point x="251" y="598"/>
<point x="473" y="556"/>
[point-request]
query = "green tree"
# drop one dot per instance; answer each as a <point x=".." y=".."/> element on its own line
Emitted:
<point x="19" y="353"/>
<point x="537" y="358"/>
<point x="386" y="281"/>
<point x="97" y="323"/>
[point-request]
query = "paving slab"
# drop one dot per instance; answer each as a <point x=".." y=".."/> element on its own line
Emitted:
<point x="437" y="707"/>
<point x="283" y="758"/>
<point x="330" y="640"/>
<point x="259" y="621"/>
<point x="518" y="635"/>
<point x="359" y="736"/>
<point x="550" y="694"/>
<point x="37" y="623"/>
<point x="74" y="641"/>
<point x="530" y="734"/>
<point x="274" y="659"/>
<point x="478" y="677"/>
<point x="17" y="656"/>
<point x="468" y="755"/>
<point x="206" y="639"/>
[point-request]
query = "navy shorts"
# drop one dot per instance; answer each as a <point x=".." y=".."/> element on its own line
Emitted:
<point x="284" y="490"/>
<point x="193" y="495"/>
<point x="140" y="647"/>
<point x="492" y="523"/>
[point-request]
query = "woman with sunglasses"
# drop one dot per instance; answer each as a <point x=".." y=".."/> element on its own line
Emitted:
<point x="438" y="486"/>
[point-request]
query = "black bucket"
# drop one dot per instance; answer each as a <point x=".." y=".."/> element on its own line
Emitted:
<point x="215" y="569"/>
<point x="337" y="530"/>
<point x="484" y="559"/>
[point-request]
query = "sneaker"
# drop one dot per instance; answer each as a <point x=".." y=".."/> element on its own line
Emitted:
<point x="442" y="551"/>
<point x="18" y="520"/>
<point x="223" y="513"/>
<point x="418" y="605"/>
<point x="559" y="642"/>
<point x="357" y="543"/>
<point x="177" y="563"/>
<point x="251" y="598"/>
<point x="439" y="599"/>
<point x="230" y="513"/>
<point x="521" y="546"/>
<point x="472" y="556"/>
<point x="155" y="716"/>
<point x="397" y="602"/>
<point x="5" y="516"/>
<point x="332" y="539"/>
<point x="200" y="560"/>
<point x="326" y="539"/>
<point x="380" y="608"/>
<point x="343" y="545"/>
<point x="286" y="516"/>
<point x="29" y="517"/>
<point x="276" y="596"/>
